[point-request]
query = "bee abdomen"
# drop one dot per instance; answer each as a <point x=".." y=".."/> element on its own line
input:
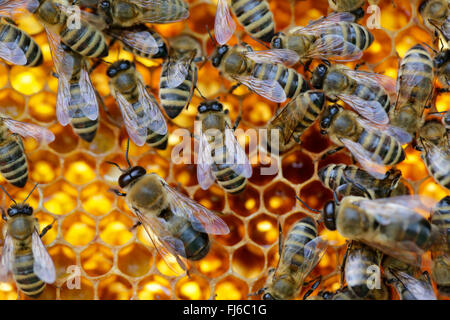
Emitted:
<point x="24" y="275"/>
<point x="373" y="94"/>
<point x="358" y="269"/>
<point x="156" y="140"/>
<point x="82" y="125"/>
<point x="300" y="234"/>
<point x="226" y="174"/>
<point x="86" y="40"/>
<point x="256" y="17"/>
<point x="382" y="145"/>
<point x="140" y="49"/>
<point x="438" y="169"/>
<point x="196" y="244"/>
<point x="441" y="217"/>
<point x="172" y="10"/>
<point x="13" y="164"/>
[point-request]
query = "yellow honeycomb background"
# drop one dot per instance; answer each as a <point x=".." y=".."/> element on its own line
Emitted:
<point x="92" y="225"/>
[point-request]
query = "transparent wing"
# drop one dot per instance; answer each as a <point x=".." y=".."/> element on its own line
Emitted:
<point x="12" y="53"/>
<point x="87" y="17"/>
<point x="410" y="80"/>
<point x="204" y="161"/>
<point x="369" y="109"/>
<point x="333" y="47"/>
<point x="439" y="157"/>
<point x="142" y="40"/>
<point x="8" y="7"/>
<point x="6" y="259"/>
<point x="136" y="132"/>
<point x="268" y="89"/>
<point x="89" y="105"/>
<point x="202" y="219"/>
<point x="397" y="133"/>
<point x="155" y="118"/>
<point x="157" y="11"/>
<point x="235" y="152"/>
<point x="400" y="203"/>
<point x="177" y="72"/>
<point x="321" y="25"/>
<point x="169" y="248"/>
<point x="373" y="80"/>
<point x="63" y="101"/>
<point x="285" y="56"/>
<point x="29" y="130"/>
<point x="43" y="265"/>
<point x="63" y="62"/>
<point x="420" y="289"/>
<point x="374" y="167"/>
<point x="224" y="25"/>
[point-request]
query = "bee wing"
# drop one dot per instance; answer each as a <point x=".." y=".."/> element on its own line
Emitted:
<point x="241" y="164"/>
<point x="374" y="167"/>
<point x="204" y="161"/>
<point x="372" y="110"/>
<point x="332" y="47"/>
<point x="6" y="259"/>
<point x="143" y="40"/>
<point x="319" y="26"/>
<point x="157" y="123"/>
<point x="136" y="132"/>
<point x="169" y="248"/>
<point x="12" y="53"/>
<point x="202" y="219"/>
<point x="63" y="62"/>
<point x="29" y="130"/>
<point x="62" y="101"/>
<point x="8" y="7"/>
<point x="397" y="133"/>
<point x="177" y="72"/>
<point x="154" y="8"/>
<point x="440" y="157"/>
<point x="407" y="83"/>
<point x="289" y="120"/>
<point x="269" y="89"/>
<point x="400" y="203"/>
<point x="89" y="105"/>
<point x="420" y="289"/>
<point x="373" y="79"/>
<point x="285" y="56"/>
<point x="224" y="25"/>
<point x="43" y="265"/>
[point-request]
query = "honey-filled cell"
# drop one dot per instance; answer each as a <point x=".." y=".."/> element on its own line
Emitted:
<point x="96" y="260"/>
<point x="213" y="198"/>
<point x="45" y="166"/>
<point x="315" y="194"/>
<point x="115" y="229"/>
<point x="96" y="198"/>
<point x="12" y="102"/>
<point x="79" y="168"/>
<point x="80" y="289"/>
<point x="201" y="16"/>
<point x="104" y="140"/>
<point x="246" y="202"/>
<point x="42" y="106"/>
<point x="114" y="287"/>
<point x="215" y="263"/>
<point x="192" y="288"/>
<point x="78" y="229"/>
<point x="237" y="230"/>
<point x="264" y="168"/>
<point x="154" y="288"/>
<point x="28" y="81"/>
<point x="65" y="140"/>
<point x="297" y="167"/>
<point x="248" y="261"/>
<point x="60" y="197"/>
<point x="263" y="229"/>
<point x="231" y="288"/>
<point x="64" y="259"/>
<point x="134" y="260"/>
<point x="279" y="198"/>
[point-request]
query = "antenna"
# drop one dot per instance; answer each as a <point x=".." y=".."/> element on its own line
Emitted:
<point x="35" y="186"/>
<point x="126" y="154"/>
<point x="211" y="37"/>
<point x="115" y="164"/>
<point x="8" y="194"/>
<point x="308" y="207"/>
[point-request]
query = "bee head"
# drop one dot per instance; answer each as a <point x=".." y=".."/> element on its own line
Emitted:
<point x="267" y="296"/>
<point x="358" y="13"/>
<point x="105" y="8"/>
<point x="329" y="215"/>
<point x="422" y="6"/>
<point x="119" y="66"/>
<point x="21" y="208"/>
<point x="218" y="55"/>
<point x="213" y="105"/>
<point x="318" y="76"/>
<point x="277" y="41"/>
<point x="328" y="117"/>
<point x="131" y="175"/>
<point x="441" y="58"/>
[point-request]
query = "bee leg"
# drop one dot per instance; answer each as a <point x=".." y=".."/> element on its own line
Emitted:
<point x="137" y="224"/>
<point x="358" y="65"/>
<point x="237" y="121"/>
<point x="313" y="287"/>
<point x="443" y="90"/>
<point x="307" y="65"/>
<point x="331" y="152"/>
<point x="237" y="85"/>
<point x="117" y="192"/>
<point x="94" y="66"/>
<point x="47" y="228"/>
<point x="427" y="276"/>
<point x="200" y="93"/>
<point x="280" y="239"/>
<point x="359" y="186"/>
<point x="344" y="261"/>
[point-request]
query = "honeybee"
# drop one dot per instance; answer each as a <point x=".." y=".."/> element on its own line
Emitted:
<point x="334" y="37"/>
<point x="299" y="254"/>
<point x="435" y="144"/>
<point x="13" y="163"/>
<point x="441" y="62"/>
<point x="261" y="71"/>
<point x="352" y="6"/>
<point x="86" y="38"/>
<point x="366" y="92"/>
<point x="220" y="156"/>
<point x="392" y="225"/>
<point x="349" y="180"/>
<point x="76" y="98"/>
<point x="24" y="255"/>
<point x="408" y="280"/>
<point x="142" y="118"/>
<point x="435" y="13"/>
<point x="415" y="88"/>
<point x="346" y="294"/>
<point x="16" y="46"/>
<point x="297" y="116"/>
<point x="127" y="13"/>
<point x="179" y="74"/>
<point x="177" y="226"/>
<point x="254" y="15"/>
<point x="374" y="148"/>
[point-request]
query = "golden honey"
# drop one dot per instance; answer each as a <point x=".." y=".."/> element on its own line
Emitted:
<point x="92" y="226"/>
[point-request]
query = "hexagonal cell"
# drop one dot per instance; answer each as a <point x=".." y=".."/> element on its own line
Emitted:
<point x="202" y="15"/>
<point x="85" y="291"/>
<point x="185" y="174"/>
<point x="42" y="106"/>
<point x="246" y="202"/>
<point x="315" y="194"/>
<point x="433" y="190"/>
<point x="388" y="67"/>
<point x="410" y="37"/>
<point x="154" y="288"/>
<point x="215" y="263"/>
<point x="12" y="102"/>
<point x="3" y="75"/>
<point x="279" y="198"/>
<point x="298" y="167"/>
<point x="19" y="195"/>
<point x="26" y="80"/>
<point x="63" y="257"/>
<point x="45" y="220"/>
<point x="78" y="229"/>
<point x="401" y="11"/>
<point x="313" y="140"/>
<point x="213" y="198"/>
<point x="256" y="111"/>
<point x="96" y="198"/>
<point x="309" y="10"/>
<point x="413" y="168"/>
<point x="169" y="31"/>
<point x="272" y="257"/>
<point x="162" y="266"/>
<point x="380" y="48"/>
<point x="192" y="288"/>
<point x="283" y="14"/>
<point x="104" y="140"/>
<point x="210" y="88"/>
<point x="263" y="229"/>
<point x="79" y="168"/>
<point x="155" y="163"/>
<point x="248" y="261"/>
<point x="231" y="288"/>
<point x="114" y="288"/>
<point x="65" y="139"/>
<point x="237" y="231"/>
<point x="134" y="260"/>
<point x="45" y="166"/>
<point x="265" y="169"/>
<point x="60" y="197"/>
<point x="114" y="229"/>
<point x="96" y="260"/>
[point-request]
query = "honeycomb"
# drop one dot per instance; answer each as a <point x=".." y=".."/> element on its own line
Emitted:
<point x="92" y="226"/>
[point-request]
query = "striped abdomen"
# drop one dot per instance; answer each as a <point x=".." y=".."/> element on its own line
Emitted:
<point x="372" y="94"/>
<point x="82" y="125"/>
<point x="11" y="34"/>
<point x="353" y="33"/>
<point x="382" y="145"/>
<point x="196" y="244"/>
<point x="13" y="163"/>
<point x="309" y="106"/>
<point x="359" y="267"/>
<point x="226" y="174"/>
<point x="441" y="217"/>
<point x="170" y="11"/>
<point x="256" y="18"/>
<point x="290" y="80"/>
<point x="26" y="280"/>
<point x="438" y="165"/>
<point x="86" y="40"/>
<point x="140" y="49"/>
<point x="174" y="100"/>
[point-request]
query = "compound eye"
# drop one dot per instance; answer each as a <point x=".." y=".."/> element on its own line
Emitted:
<point x="325" y="123"/>
<point x="104" y="4"/>
<point x="267" y="296"/>
<point x="111" y="72"/>
<point x="329" y="216"/>
<point x="124" y="65"/>
<point x="276" y="43"/>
